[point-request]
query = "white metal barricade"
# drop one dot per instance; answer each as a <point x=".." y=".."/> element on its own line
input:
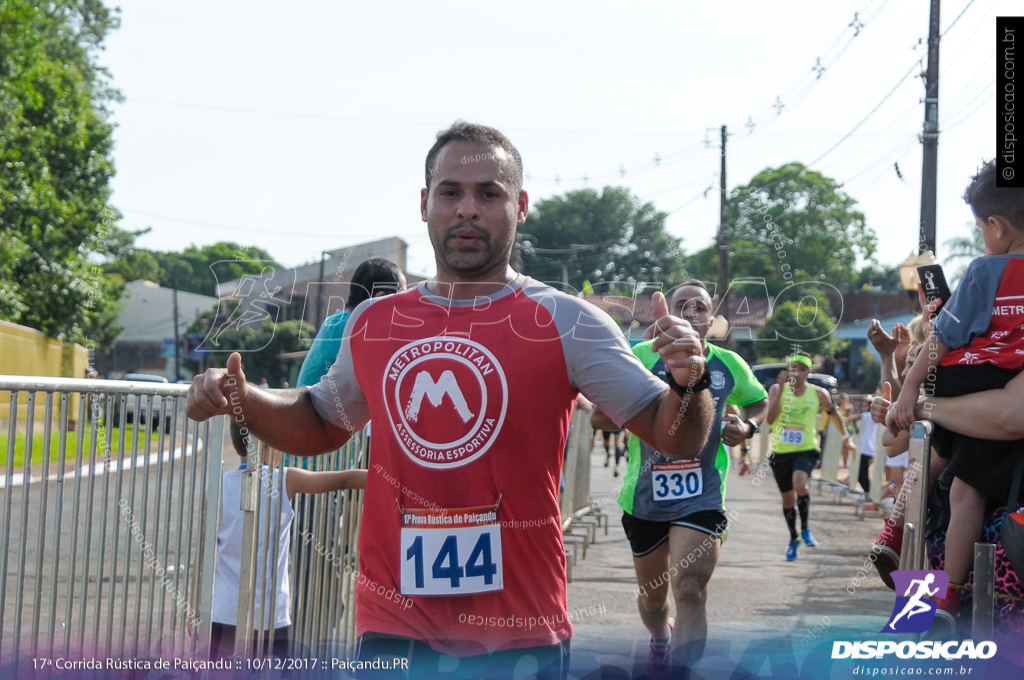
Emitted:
<point x="109" y="529"/>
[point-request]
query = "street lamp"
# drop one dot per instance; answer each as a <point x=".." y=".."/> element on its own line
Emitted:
<point x="908" y="271"/>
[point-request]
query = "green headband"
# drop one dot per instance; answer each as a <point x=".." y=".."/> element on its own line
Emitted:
<point x="801" y="359"/>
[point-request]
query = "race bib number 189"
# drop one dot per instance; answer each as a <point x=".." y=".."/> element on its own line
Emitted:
<point x="451" y="552"/>
<point x="793" y="436"/>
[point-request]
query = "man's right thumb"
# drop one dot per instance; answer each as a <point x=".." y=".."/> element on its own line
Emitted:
<point x="234" y="365"/>
<point x="887" y="391"/>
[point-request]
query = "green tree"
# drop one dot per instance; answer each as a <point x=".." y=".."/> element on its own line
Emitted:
<point x="195" y="270"/>
<point x="599" y="237"/>
<point x="878" y="277"/>
<point x="261" y="348"/>
<point x="791" y="224"/>
<point x="55" y="167"/>
<point x="128" y="262"/>
<point x="746" y="259"/>
<point x="801" y="319"/>
<point x="200" y="269"/>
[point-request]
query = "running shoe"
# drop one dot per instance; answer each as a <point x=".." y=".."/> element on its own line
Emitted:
<point x="885" y="553"/>
<point x="615" y="471"/>
<point x="791" y="550"/>
<point x="809" y="538"/>
<point x="607" y="458"/>
<point x="659" y="659"/>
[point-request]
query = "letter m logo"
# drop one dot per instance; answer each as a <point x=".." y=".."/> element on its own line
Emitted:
<point x="435" y="391"/>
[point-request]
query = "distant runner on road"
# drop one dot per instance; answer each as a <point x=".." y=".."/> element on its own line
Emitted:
<point x="793" y="407"/>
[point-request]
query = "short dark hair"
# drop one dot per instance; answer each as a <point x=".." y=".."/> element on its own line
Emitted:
<point x="986" y="199"/>
<point x="240" y="441"/>
<point x="461" y="131"/>
<point x="697" y="283"/>
<point x="377" y="272"/>
<point x="691" y="282"/>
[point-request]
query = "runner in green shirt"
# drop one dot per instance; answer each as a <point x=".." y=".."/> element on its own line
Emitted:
<point x="793" y="407"/>
<point x="673" y="509"/>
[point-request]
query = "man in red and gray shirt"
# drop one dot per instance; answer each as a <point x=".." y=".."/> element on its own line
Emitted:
<point x="471" y="379"/>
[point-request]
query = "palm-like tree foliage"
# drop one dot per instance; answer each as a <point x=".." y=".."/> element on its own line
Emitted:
<point x="963" y="249"/>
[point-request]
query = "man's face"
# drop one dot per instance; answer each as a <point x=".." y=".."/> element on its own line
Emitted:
<point x="693" y="304"/>
<point x="798" y="373"/>
<point x="471" y="211"/>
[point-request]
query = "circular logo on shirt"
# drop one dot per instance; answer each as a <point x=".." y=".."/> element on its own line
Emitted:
<point x="717" y="380"/>
<point x="446" y="399"/>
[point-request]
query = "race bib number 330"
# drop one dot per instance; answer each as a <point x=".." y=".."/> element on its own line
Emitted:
<point x="451" y="551"/>
<point x="677" y="480"/>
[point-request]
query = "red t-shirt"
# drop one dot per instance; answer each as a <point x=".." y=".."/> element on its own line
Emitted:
<point x="461" y="539"/>
<point x="983" y="322"/>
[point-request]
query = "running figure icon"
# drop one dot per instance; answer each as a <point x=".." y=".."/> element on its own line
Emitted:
<point x="914" y="604"/>
<point x="916" y="586"/>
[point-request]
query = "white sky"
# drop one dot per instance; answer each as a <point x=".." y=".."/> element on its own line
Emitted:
<point x="304" y="127"/>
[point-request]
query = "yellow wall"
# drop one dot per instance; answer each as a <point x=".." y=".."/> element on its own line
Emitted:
<point x="26" y="351"/>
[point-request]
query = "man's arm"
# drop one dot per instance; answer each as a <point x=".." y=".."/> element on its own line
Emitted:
<point x="688" y="432"/>
<point x="677" y="426"/>
<point x="994" y="414"/>
<point x="756" y="411"/>
<point x="306" y="481"/>
<point x="599" y="420"/>
<point x="775" y="398"/>
<point x="735" y="430"/>
<point x="895" y="444"/>
<point x="825" y="400"/>
<point x="284" y="419"/>
<point x="928" y="358"/>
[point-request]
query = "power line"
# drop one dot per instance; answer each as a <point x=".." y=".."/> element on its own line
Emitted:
<point x="228" y="227"/>
<point x="966" y="7"/>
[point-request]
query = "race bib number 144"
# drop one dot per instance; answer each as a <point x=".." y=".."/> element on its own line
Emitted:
<point x="451" y="551"/>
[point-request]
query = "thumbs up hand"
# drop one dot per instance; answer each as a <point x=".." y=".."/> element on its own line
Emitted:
<point x="217" y="391"/>
<point x="677" y="343"/>
<point x="880" y="408"/>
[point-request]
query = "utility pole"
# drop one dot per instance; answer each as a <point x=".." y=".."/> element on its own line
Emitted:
<point x="930" y="135"/>
<point x="723" y="243"/>
<point x="177" y="338"/>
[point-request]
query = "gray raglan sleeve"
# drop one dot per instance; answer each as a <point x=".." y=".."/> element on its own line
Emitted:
<point x="600" y="362"/>
<point x="969" y="310"/>
<point x="338" y="398"/>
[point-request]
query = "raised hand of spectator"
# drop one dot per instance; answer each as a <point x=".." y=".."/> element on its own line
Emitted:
<point x="884" y="343"/>
<point x="903" y="411"/>
<point x="901" y="335"/>
<point x="880" y="405"/>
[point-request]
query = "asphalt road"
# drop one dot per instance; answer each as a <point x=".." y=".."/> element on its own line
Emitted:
<point x="755" y="596"/>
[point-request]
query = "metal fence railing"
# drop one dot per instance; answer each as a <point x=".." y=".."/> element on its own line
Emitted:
<point x="914" y="551"/>
<point x="576" y="467"/>
<point x="111" y="500"/>
<point x="98" y="551"/>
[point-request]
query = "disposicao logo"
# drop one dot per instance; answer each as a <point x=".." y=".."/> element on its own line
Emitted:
<point x="914" y="612"/>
